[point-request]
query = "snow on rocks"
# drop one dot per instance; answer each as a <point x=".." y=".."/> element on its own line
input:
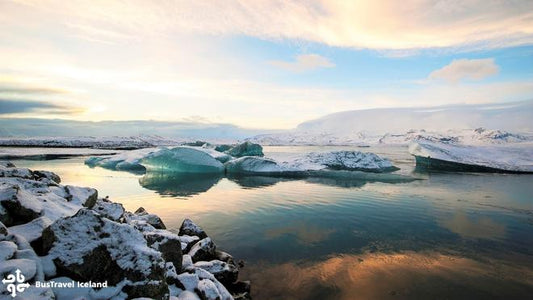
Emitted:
<point x="189" y="228"/>
<point x="516" y="157"/>
<point x="64" y="233"/>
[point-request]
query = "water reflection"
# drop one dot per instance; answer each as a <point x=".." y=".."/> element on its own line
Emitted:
<point x="179" y="185"/>
<point x="251" y="182"/>
<point x="305" y="233"/>
<point x="406" y="275"/>
<point x="472" y="227"/>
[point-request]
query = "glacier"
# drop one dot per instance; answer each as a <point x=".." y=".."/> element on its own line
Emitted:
<point x="512" y="158"/>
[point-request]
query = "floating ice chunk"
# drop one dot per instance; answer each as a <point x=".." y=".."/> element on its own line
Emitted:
<point x="246" y="149"/>
<point x="182" y="160"/>
<point x="343" y="160"/>
<point x="253" y="165"/>
<point x="494" y="158"/>
<point x="127" y="160"/>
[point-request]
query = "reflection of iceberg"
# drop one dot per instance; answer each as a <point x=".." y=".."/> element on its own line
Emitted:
<point x="256" y="181"/>
<point x="179" y="185"/>
<point x="516" y="158"/>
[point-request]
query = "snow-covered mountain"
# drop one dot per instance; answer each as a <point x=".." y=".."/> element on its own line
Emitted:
<point x="468" y="124"/>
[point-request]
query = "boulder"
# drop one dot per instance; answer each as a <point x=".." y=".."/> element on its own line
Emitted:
<point x="168" y="244"/>
<point x="187" y="242"/>
<point x="151" y="219"/>
<point x="203" y="250"/>
<point x="89" y="247"/>
<point x="189" y="228"/>
<point x="111" y="210"/>
<point x="223" y="272"/>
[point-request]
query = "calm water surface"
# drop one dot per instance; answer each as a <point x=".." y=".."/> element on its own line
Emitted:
<point x="447" y="236"/>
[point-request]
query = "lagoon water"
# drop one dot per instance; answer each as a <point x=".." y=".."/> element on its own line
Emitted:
<point x="446" y="236"/>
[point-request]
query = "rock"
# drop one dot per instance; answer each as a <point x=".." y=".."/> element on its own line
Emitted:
<point x="3" y="231"/>
<point x="225" y="257"/>
<point x="81" y="195"/>
<point x="246" y="149"/>
<point x="210" y="287"/>
<point x="187" y="242"/>
<point x="203" y="250"/>
<point x="240" y="290"/>
<point x="207" y="290"/>
<point x="110" y="251"/>
<point x="151" y="219"/>
<point x="39" y="175"/>
<point x="186" y="295"/>
<point x="223" y="272"/>
<point x="111" y="210"/>
<point x="189" y="228"/>
<point x="168" y="244"/>
<point x="186" y="262"/>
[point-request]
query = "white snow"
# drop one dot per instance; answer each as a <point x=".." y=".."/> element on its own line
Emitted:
<point x="125" y="244"/>
<point x="112" y="142"/>
<point x="31" y="230"/>
<point x="508" y="157"/>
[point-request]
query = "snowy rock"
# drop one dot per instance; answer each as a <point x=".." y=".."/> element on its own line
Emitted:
<point x="81" y="195"/>
<point x="189" y="228"/>
<point x="182" y="160"/>
<point x="490" y="158"/>
<point x="23" y="200"/>
<point x="3" y="231"/>
<point x="32" y="230"/>
<point x="187" y="241"/>
<point x="246" y="149"/>
<point x="151" y="219"/>
<point x="224" y="272"/>
<point x="186" y="262"/>
<point x="111" y="210"/>
<point x="203" y="250"/>
<point x="89" y="247"/>
<point x="253" y="165"/>
<point x="168" y="244"/>
<point x="186" y="295"/>
<point x="38" y="175"/>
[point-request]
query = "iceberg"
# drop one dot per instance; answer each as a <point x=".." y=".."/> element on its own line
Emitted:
<point x="182" y="160"/>
<point x="343" y="160"/>
<point x="246" y="149"/>
<point x="125" y="161"/>
<point x="254" y="165"/>
<point x="504" y="158"/>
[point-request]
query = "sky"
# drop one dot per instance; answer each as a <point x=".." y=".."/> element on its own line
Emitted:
<point x="258" y="64"/>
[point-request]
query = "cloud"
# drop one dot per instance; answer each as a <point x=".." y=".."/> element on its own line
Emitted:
<point x="30" y="90"/>
<point x="304" y="62"/>
<point x="8" y="106"/>
<point x="474" y="69"/>
<point x="381" y="25"/>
